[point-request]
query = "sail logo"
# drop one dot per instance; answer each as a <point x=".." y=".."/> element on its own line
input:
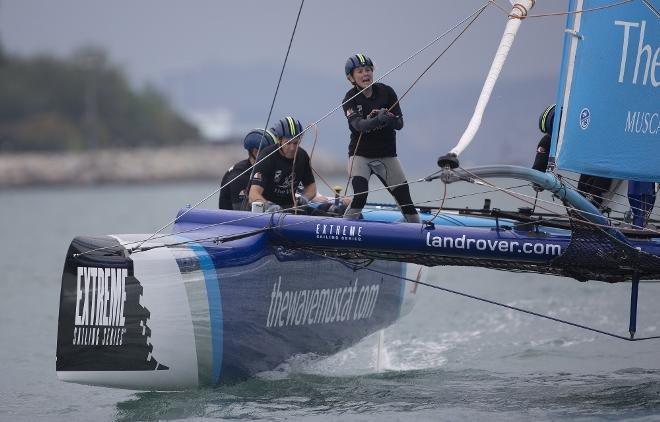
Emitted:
<point x="585" y="118"/>
<point x="339" y="232"/>
<point x="645" y="55"/>
<point x="642" y="122"/>
<point x="100" y="298"/>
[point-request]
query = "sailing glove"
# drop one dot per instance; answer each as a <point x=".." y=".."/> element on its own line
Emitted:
<point x="271" y="207"/>
<point x="385" y="117"/>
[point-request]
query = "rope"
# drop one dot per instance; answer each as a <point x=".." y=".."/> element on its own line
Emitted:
<point x="252" y="216"/>
<point x="613" y="194"/>
<point x="272" y="104"/>
<point x="492" y="302"/>
<point x="323" y="117"/>
<point x="474" y="17"/>
<point x="522" y="197"/>
<point x="494" y="188"/>
<point x="442" y="204"/>
<point x="653" y="9"/>
<point x="543" y="15"/>
<point x="440" y="55"/>
<point x="253" y="166"/>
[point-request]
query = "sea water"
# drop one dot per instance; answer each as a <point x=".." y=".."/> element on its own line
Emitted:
<point x="451" y="358"/>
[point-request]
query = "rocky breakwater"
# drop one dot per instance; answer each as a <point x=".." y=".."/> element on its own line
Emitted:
<point x="144" y="165"/>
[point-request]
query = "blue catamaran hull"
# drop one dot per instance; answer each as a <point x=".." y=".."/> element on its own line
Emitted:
<point x="185" y="311"/>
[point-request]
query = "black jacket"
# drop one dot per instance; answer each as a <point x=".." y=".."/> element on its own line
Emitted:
<point x="233" y="195"/>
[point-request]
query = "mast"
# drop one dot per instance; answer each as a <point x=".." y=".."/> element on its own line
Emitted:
<point x="519" y="11"/>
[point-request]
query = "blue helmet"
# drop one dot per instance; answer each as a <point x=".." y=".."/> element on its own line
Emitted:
<point x="547" y="118"/>
<point x="288" y="127"/>
<point x="358" y="60"/>
<point x="257" y="137"/>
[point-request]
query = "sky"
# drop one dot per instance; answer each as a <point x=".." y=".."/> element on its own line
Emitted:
<point x="219" y="60"/>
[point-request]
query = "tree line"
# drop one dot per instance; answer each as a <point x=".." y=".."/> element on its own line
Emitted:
<point x="80" y="103"/>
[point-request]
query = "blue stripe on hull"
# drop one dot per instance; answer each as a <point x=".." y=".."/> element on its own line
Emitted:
<point x="215" y="306"/>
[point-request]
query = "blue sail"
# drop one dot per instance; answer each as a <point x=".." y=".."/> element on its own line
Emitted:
<point x="609" y="94"/>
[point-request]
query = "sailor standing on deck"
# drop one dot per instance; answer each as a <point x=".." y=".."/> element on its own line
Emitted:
<point x="372" y="149"/>
<point x="233" y="196"/>
<point x="275" y="180"/>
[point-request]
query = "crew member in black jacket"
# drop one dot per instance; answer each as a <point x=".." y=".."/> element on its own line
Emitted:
<point x="372" y="149"/>
<point x="233" y="196"/>
<point x="275" y="181"/>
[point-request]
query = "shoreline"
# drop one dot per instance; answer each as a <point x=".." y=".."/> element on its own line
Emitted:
<point x="127" y="166"/>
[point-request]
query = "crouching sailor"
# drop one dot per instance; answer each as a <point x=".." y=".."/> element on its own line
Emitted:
<point x="236" y="181"/>
<point x="275" y="179"/>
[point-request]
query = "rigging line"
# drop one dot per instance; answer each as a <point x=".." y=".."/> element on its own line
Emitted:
<point x="536" y="198"/>
<point x="316" y="135"/>
<point x="415" y="54"/>
<point x="442" y="204"/>
<point x="272" y="104"/>
<point x="603" y="198"/>
<point x="474" y="18"/>
<point x="233" y="236"/>
<point x="575" y="183"/>
<point x="624" y="205"/>
<point x="492" y="302"/>
<point x="350" y="168"/>
<point x="217" y="190"/>
<point x="515" y="308"/>
<point x="323" y="179"/>
<point x="252" y="216"/>
<point x="653" y="8"/>
<point x="215" y="239"/>
<point x="522" y="197"/>
<point x="206" y="226"/>
<point x="293" y="172"/>
<point x="259" y="230"/>
<point x="543" y="15"/>
<point x="484" y="192"/>
<point x="311" y="155"/>
<point x="325" y="116"/>
<point x="223" y="186"/>
<point x="256" y="215"/>
<point x="441" y="54"/>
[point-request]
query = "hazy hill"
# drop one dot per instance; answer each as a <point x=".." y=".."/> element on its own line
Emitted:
<point x="83" y="102"/>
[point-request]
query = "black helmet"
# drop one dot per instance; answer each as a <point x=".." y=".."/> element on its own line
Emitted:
<point x="547" y="119"/>
<point x="259" y="139"/>
<point x="288" y="127"/>
<point x="359" y="60"/>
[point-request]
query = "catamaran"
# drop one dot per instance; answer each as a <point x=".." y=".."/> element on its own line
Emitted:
<point x="228" y="294"/>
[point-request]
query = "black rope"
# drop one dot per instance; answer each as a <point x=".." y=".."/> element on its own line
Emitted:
<point x="272" y="104"/>
<point x="492" y="302"/>
<point x="652" y="8"/>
